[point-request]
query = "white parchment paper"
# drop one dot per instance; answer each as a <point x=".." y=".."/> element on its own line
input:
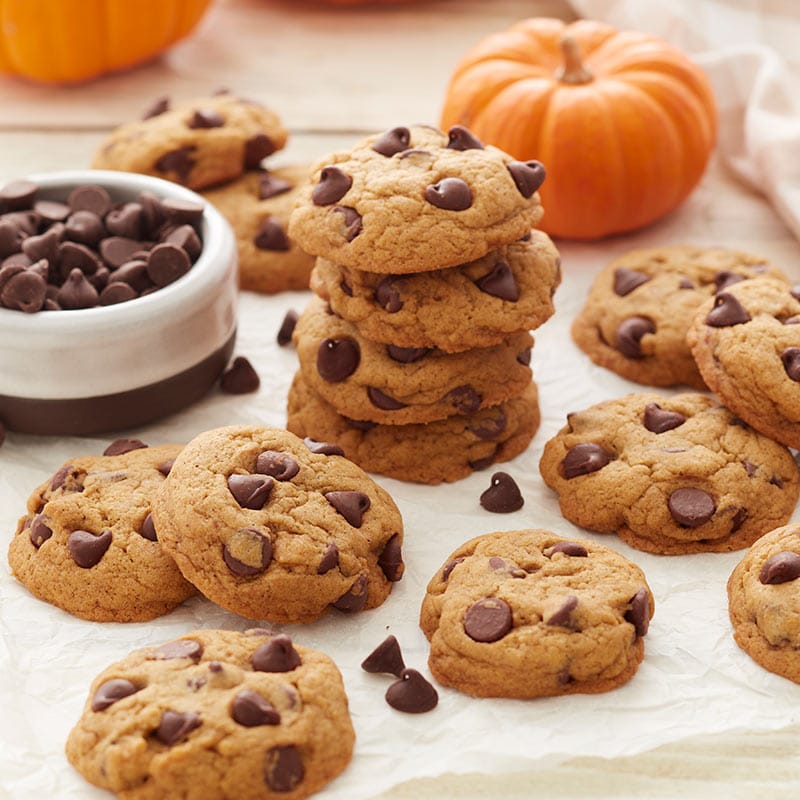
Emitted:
<point x="693" y="680"/>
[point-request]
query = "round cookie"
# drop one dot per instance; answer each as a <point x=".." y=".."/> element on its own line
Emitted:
<point x="445" y="450"/>
<point x="635" y="319"/>
<point x="530" y="614"/>
<point x="215" y="714"/>
<point x="199" y="143"/>
<point x="764" y="602"/>
<point x="258" y="206"/>
<point x="88" y="544"/>
<point x="416" y="199"/>
<point x="270" y="529"/>
<point x="374" y="382"/>
<point x="507" y="291"/>
<point x="746" y="342"/>
<point x="670" y="475"/>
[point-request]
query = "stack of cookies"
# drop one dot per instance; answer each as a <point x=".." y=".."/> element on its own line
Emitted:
<point x="415" y="356"/>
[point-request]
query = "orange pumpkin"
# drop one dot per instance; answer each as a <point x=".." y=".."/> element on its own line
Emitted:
<point x="623" y="122"/>
<point x="65" y="41"/>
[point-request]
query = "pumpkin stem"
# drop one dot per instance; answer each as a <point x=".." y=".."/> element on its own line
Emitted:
<point x="572" y="70"/>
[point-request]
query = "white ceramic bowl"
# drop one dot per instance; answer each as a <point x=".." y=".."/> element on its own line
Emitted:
<point x="108" y="368"/>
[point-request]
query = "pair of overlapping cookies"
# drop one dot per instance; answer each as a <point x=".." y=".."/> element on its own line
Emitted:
<point x="415" y="357"/>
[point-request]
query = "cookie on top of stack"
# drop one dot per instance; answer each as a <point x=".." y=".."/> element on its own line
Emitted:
<point x="415" y="357"/>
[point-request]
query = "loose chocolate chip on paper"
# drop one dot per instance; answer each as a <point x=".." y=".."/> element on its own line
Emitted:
<point x="459" y="138"/>
<point x="386" y="657"/>
<point x="391" y="559"/>
<point x="337" y="359"/>
<point x="179" y="648"/>
<point x="240" y="378"/>
<point x="583" y="459"/>
<point x="250" y="709"/>
<point x="287" y="327"/>
<point x="412" y="693"/>
<point x="658" y="420"/>
<point x="120" y="446"/>
<point x="626" y="280"/>
<point x="791" y="362"/>
<point x="280" y="466"/>
<point x="572" y="549"/>
<point x="639" y="612"/>
<point x="250" y="491"/>
<point x="87" y="549"/>
<point x="351" y="505"/>
<point x="271" y="236"/>
<point x="333" y="186"/>
<point x="276" y="655"/>
<point x="500" y="282"/>
<point x="488" y="620"/>
<point x="205" y="118"/>
<point x="393" y="141"/>
<point x="563" y="616"/>
<point x="257" y="148"/>
<point x="270" y="185"/>
<point x="323" y="448"/>
<point x="783" y="567"/>
<point x="503" y="495"/>
<point x="283" y="768"/>
<point x="449" y="194"/>
<point x="528" y="176"/>
<point x="177" y="725"/>
<point x="148" y="529"/>
<point x="629" y="335"/>
<point x="691" y="507"/>
<point x="727" y="311"/>
<point x="111" y="692"/>
<point x="330" y="559"/>
<point x="355" y="598"/>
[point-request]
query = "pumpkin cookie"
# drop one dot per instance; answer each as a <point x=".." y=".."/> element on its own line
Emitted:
<point x="215" y="714"/>
<point x="507" y="291"/>
<point x="199" y="143"/>
<point x="445" y="450"/>
<point x="764" y="602"/>
<point x="393" y="385"/>
<point x="746" y="342"/>
<point x="641" y="305"/>
<point x="670" y="475"/>
<point x="529" y="614"/>
<point x="258" y="206"/>
<point x="416" y="199"/>
<point x="88" y="543"/>
<point x="270" y="527"/>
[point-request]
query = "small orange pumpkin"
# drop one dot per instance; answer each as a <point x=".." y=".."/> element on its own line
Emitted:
<point x="65" y="41"/>
<point x="623" y="122"/>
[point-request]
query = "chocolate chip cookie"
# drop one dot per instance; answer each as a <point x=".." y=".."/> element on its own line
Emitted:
<point x="215" y="714"/>
<point x="746" y="342"/>
<point x="415" y="199"/>
<point x="88" y="543"/>
<point x="258" y="206"/>
<point x="445" y="450"/>
<point x="199" y="143"/>
<point x="530" y="614"/>
<point x="641" y="305"/>
<point x="670" y="475"/>
<point x="507" y="291"/>
<point x="270" y="527"/>
<point x="764" y="602"/>
<point x="393" y="385"/>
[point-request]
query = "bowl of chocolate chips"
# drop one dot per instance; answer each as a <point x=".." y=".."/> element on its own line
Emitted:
<point x="117" y="300"/>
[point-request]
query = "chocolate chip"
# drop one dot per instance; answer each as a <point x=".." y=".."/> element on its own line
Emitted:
<point x="333" y="186"/>
<point x="86" y="548"/>
<point x="148" y="529"/>
<point x="351" y="221"/>
<point x="386" y="657"/>
<point x="117" y="292"/>
<point x="166" y="467"/>
<point x="490" y="427"/>
<point x="685" y="283"/>
<point x="794" y="320"/>
<point x="503" y="495"/>
<point x="330" y="559"/>
<point x="60" y="477"/>
<point x="271" y="236"/>
<point x="572" y="549"/>
<point x="158" y="107"/>
<point x="126" y="221"/>
<point x="459" y="138"/>
<point x="488" y="620"/>
<point x="51" y="211"/>
<point x="337" y="359"/>
<point x="270" y="185"/>
<point x="776" y="480"/>
<point x="323" y="448"/>
<point x="276" y="655"/>
<point x="411" y="693"/>
<point x="110" y="692"/>
<point x="791" y="362"/>
<point x="179" y="161"/>
<point x="72" y="255"/>
<point x="355" y="598"/>
<point x="182" y="212"/>
<point x="351" y="505"/>
<point x="287" y="328"/>
<point x="92" y="198"/>
<point x="450" y="194"/>
<point x="280" y="466"/>
<point x="727" y="311"/>
<point x="780" y="568"/>
<point x="406" y="355"/>
<point x="117" y="250"/>
<point x="501" y="565"/>
<point x="626" y="280"/>
<point x="240" y="378"/>
<point x="84" y="227"/>
<point x="257" y="148"/>
<point x="17" y="195"/>
<point x="77" y="292"/>
<point x="639" y="612"/>
<point x="739" y="519"/>
<point x="450" y="566"/>
<point x="563" y="616"/>
<point x="346" y="288"/>
<point x="381" y="400"/>
<point x="657" y="420"/>
<point x="250" y="709"/>
<point x="394" y="141"/>
<point x="248" y="552"/>
<point x="726" y="278"/>
<point x="250" y="491"/>
<point x="528" y="176"/>
<point x="483" y="463"/>
<point x="179" y="648"/>
<point x="583" y="459"/>
<point x="205" y="118"/>
<point x="283" y="768"/>
<point x="39" y="532"/>
<point x="166" y="263"/>
<point x="691" y="507"/>
<point x="465" y="399"/>
<point x="388" y="296"/>
<point x="25" y="291"/>
<point x="177" y="725"/>
<point x="391" y="559"/>
<point x="359" y="424"/>
<point x="42" y="246"/>
<point x="11" y="238"/>
<point x="27" y="222"/>
<point x="524" y="356"/>
<point x="500" y="282"/>
<point x="120" y="446"/>
<point x="629" y="335"/>
<point x="749" y="468"/>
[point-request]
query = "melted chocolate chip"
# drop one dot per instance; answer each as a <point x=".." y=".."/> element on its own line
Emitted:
<point x="791" y="363"/>
<point x="501" y="565"/>
<point x="276" y="655"/>
<point x="459" y="138"/>
<point x="355" y="598"/>
<point x="351" y="505"/>
<point x="465" y="399"/>
<point x="248" y="552"/>
<point x="571" y="549"/>
<point x="165" y="467"/>
<point x="323" y="448"/>
<point x="240" y="377"/>
<point x="87" y="549"/>
<point x="360" y="424"/>
<point x="406" y="355"/>
<point x="179" y="161"/>
<point x="639" y="612"/>
<point x="563" y="616"/>
<point x="583" y="459"/>
<point x="500" y="282"/>
<point x="148" y="529"/>
<point x="39" y="532"/>
<point x="393" y="141"/>
<point x="270" y="185"/>
<point x="177" y="725"/>
<point x="749" y="468"/>
<point x="120" y="446"/>
<point x="250" y="491"/>
<point x="739" y="519"/>
<point x="528" y="176"/>
<point x="333" y="186"/>
<point x="503" y="495"/>
<point x="726" y="278"/>
<point x="386" y="657"/>
<point x="110" y="692"/>
<point x="450" y="194"/>
<point x="337" y="359"/>
<point x="351" y="220"/>
<point x="381" y="400"/>
<point x="488" y="620"/>
<point x="490" y="427"/>
<point x="629" y="335"/>
<point x="280" y="466"/>
<point x="205" y="118"/>
<point x="287" y="328"/>
<point x="250" y="709"/>
<point x="346" y="288"/>
<point x="524" y="356"/>
<point x="283" y="768"/>
<point x="388" y="296"/>
<point x="626" y="280"/>
<point x="691" y="507"/>
<point x="783" y="567"/>
<point x="158" y="107"/>
<point x="411" y="693"/>
<point x="330" y="559"/>
<point x="727" y="311"/>
<point x="450" y="566"/>
<point x="257" y="148"/>
<point x="391" y="559"/>
<point x="179" y="648"/>
<point x="657" y="420"/>
<point x="271" y="236"/>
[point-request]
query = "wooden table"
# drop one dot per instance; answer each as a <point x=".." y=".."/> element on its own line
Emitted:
<point x="333" y="75"/>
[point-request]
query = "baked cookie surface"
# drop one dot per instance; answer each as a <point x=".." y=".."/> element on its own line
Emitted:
<point x="258" y="206"/>
<point x="88" y="543"/>
<point x="270" y="529"/>
<point x="530" y="614"/>
<point x="445" y="450"/>
<point x="507" y="291"/>
<point x="199" y="143"/>
<point x="415" y="199"/>
<point x="392" y="385"/>
<point x="670" y="475"/>
<point x="218" y="715"/>
<point x="641" y="305"/>
<point x="746" y="342"/>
